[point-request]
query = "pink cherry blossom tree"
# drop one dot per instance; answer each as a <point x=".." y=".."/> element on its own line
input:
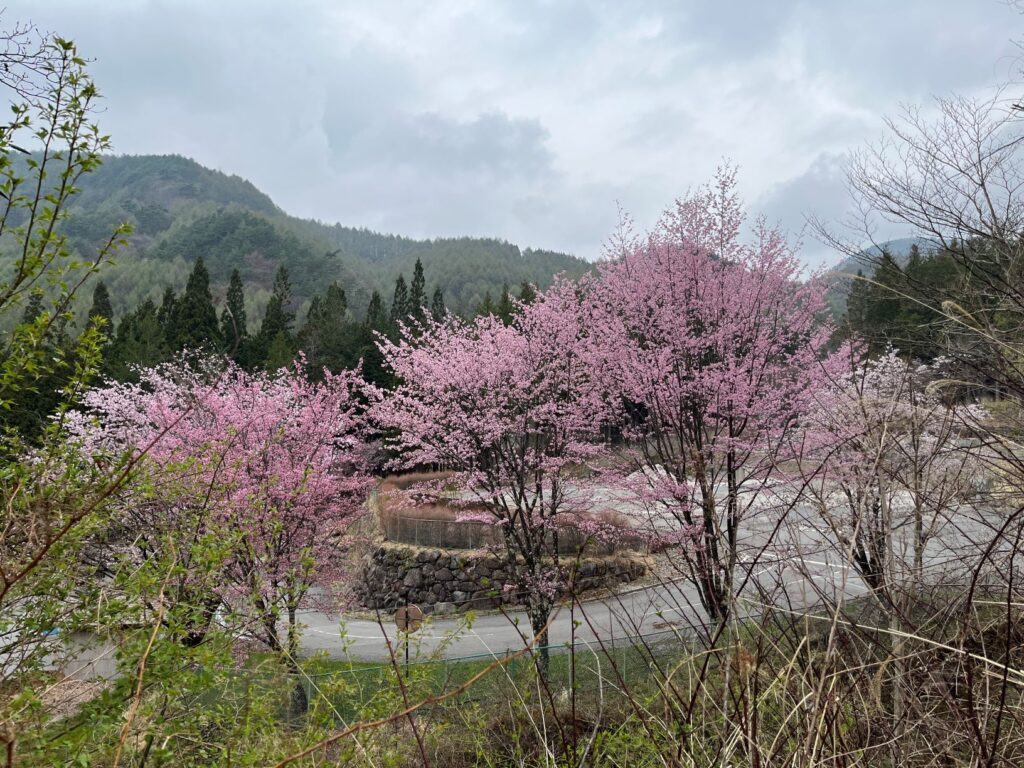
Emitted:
<point x="512" y="410"/>
<point x="713" y="344"/>
<point x="272" y="463"/>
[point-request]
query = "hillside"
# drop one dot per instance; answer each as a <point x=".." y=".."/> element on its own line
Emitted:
<point x="864" y="263"/>
<point x="182" y="210"/>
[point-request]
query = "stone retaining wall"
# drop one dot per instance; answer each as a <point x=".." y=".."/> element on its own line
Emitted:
<point x="443" y="581"/>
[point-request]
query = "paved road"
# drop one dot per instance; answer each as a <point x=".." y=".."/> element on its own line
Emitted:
<point x="797" y="567"/>
<point x="660" y="608"/>
<point x="650" y="610"/>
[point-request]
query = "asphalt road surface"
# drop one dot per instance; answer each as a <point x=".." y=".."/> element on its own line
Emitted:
<point x="794" y="566"/>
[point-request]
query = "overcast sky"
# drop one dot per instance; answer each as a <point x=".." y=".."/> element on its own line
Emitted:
<point x="526" y="120"/>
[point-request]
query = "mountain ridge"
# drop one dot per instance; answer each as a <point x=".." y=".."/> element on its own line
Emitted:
<point x="181" y="210"/>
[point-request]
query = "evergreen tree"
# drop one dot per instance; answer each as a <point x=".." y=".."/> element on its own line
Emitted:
<point x="326" y="335"/>
<point x="505" y="309"/>
<point x="138" y="343"/>
<point x="276" y="328"/>
<point x="30" y="408"/>
<point x="856" y="305"/>
<point x="376" y="319"/>
<point x="233" y="327"/>
<point x="437" y="308"/>
<point x="400" y="302"/>
<point x="527" y="293"/>
<point x="33" y="309"/>
<point x="365" y="342"/>
<point x="279" y="316"/>
<point x="335" y="306"/>
<point x="418" y="293"/>
<point x="167" y="317"/>
<point x="313" y="315"/>
<point x="102" y="308"/>
<point x="485" y="307"/>
<point x="279" y="352"/>
<point x="195" y="318"/>
<point x="899" y="306"/>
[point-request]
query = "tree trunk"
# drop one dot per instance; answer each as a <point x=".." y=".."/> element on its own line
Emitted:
<point x="299" y="704"/>
<point x="539" y="615"/>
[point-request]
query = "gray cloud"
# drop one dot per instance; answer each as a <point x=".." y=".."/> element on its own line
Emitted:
<point x="524" y="120"/>
<point x="819" y="194"/>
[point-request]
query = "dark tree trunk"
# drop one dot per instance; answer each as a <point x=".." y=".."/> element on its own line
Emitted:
<point x="539" y="615"/>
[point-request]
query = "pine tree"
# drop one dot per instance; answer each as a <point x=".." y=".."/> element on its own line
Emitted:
<point x="279" y="316"/>
<point x="437" y="308"/>
<point x="233" y="328"/>
<point x="279" y="352"/>
<point x="195" y="316"/>
<point x="400" y="302"/>
<point x="365" y="343"/>
<point x="335" y="306"/>
<point x="101" y="308"/>
<point x="418" y="293"/>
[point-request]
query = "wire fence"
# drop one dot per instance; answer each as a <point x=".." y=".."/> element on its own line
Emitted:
<point x="350" y="691"/>
<point x="616" y="668"/>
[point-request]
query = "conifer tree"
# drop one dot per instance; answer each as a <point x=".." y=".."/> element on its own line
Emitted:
<point x="325" y="336"/>
<point x="137" y="344"/>
<point x="335" y="306"/>
<point x="400" y="302"/>
<point x="101" y="308"/>
<point x="278" y="320"/>
<point x="279" y="352"/>
<point x="505" y="308"/>
<point x="376" y="319"/>
<point x="196" y="324"/>
<point x="279" y="315"/>
<point x="527" y="292"/>
<point x="33" y="309"/>
<point x="418" y="293"/>
<point x="437" y="308"/>
<point x="485" y="307"/>
<point x="376" y="323"/>
<point x="166" y="317"/>
<point x="232" y="319"/>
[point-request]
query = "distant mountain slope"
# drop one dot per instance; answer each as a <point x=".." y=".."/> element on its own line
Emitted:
<point x="898" y="249"/>
<point x="863" y="263"/>
<point x="465" y="267"/>
<point x="182" y="210"/>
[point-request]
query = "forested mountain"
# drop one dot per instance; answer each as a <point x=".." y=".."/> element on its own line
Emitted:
<point x="465" y="268"/>
<point x="902" y="304"/>
<point x="865" y="263"/>
<point x="182" y="211"/>
<point x="899" y="249"/>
